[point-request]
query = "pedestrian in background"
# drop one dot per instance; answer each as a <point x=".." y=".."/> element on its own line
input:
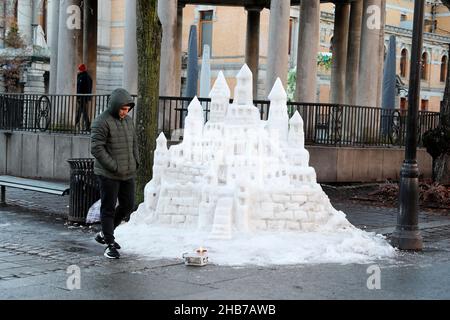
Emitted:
<point x="84" y="86"/>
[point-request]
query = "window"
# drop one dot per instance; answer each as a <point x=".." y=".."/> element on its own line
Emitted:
<point x="423" y="105"/>
<point x="403" y="106"/>
<point x="205" y="28"/>
<point x="403" y="17"/>
<point x="443" y="68"/>
<point x="424" y="67"/>
<point x="403" y="62"/>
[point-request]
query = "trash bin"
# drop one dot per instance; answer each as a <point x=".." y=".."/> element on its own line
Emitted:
<point x="84" y="188"/>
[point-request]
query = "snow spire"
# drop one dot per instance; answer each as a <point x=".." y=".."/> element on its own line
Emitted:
<point x="161" y="142"/>
<point x="278" y="117"/>
<point x="243" y="92"/>
<point x="296" y="134"/>
<point x="220" y="88"/>
<point x="220" y="97"/>
<point x="194" y="121"/>
<point x="278" y="94"/>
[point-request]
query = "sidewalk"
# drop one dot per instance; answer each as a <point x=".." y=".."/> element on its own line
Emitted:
<point x="37" y="247"/>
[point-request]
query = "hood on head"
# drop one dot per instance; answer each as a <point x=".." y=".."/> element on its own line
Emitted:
<point x="119" y="98"/>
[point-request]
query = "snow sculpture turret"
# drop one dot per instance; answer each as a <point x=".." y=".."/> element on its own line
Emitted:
<point x="296" y="132"/>
<point x="220" y="96"/>
<point x="160" y="163"/>
<point x="242" y="111"/>
<point x="194" y="121"/>
<point x="278" y="116"/>
<point x="243" y="92"/>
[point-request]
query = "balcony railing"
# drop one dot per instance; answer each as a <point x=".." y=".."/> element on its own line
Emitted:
<point x="324" y="124"/>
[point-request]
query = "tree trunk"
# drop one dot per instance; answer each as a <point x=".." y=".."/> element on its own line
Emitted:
<point x="441" y="169"/>
<point x="445" y="106"/>
<point x="148" y="36"/>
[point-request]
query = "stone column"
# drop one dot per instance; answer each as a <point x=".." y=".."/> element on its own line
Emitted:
<point x="177" y="50"/>
<point x="277" y="57"/>
<point x="90" y="18"/>
<point x="167" y="12"/>
<point x="381" y="54"/>
<point x="369" y="55"/>
<point x="252" y="44"/>
<point x="340" y="42"/>
<point x="54" y="46"/>
<point x="25" y="20"/>
<point x="35" y="11"/>
<point x="354" y="41"/>
<point x="308" y="42"/>
<point x="130" y="56"/>
<point x="70" y="41"/>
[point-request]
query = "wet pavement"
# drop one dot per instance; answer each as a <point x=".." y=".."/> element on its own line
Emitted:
<point x="42" y="257"/>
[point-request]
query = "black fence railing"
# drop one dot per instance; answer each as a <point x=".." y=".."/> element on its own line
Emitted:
<point x="70" y="114"/>
<point x="324" y="124"/>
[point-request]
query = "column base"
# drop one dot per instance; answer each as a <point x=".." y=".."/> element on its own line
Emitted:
<point x="407" y="240"/>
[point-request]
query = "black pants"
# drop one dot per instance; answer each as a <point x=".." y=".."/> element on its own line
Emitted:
<point x="110" y="216"/>
<point x="82" y="103"/>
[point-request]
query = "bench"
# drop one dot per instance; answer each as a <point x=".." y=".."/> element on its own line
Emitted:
<point x="56" y="188"/>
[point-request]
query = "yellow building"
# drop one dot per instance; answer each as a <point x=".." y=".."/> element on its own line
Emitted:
<point x="224" y="29"/>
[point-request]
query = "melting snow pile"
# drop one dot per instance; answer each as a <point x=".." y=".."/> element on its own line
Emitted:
<point x="243" y="188"/>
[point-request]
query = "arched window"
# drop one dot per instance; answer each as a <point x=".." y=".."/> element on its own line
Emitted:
<point x="403" y="62"/>
<point x="424" y="67"/>
<point x="444" y="62"/>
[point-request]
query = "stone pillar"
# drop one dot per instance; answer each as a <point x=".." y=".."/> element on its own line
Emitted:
<point x="277" y="53"/>
<point x="90" y="18"/>
<point x="252" y="44"/>
<point x="354" y="41"/>
<point x="167" y="12"/>
<point x="369" y="55"/>
<point x="177" y="50"/>
<point x="381" y="54"/>
<point x="340" y="42"/>
<point x="130" y="56"/>
<point x="308" y="42"/>
<point x="70" y="43"/>
<point x="54" y="46"/>
<point x="25" y="20"/>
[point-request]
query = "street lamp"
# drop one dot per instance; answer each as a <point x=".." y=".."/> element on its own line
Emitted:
<point x="407" y="234"/>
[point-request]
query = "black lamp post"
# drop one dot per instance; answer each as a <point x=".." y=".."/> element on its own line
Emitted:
<point x="407" y="235"/>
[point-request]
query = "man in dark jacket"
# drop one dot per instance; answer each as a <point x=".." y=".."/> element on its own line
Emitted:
<point x="84" y="86"/>
<point x="114" y="146"/>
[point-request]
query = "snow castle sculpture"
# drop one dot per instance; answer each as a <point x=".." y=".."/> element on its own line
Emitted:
<point x="237" y="173"/>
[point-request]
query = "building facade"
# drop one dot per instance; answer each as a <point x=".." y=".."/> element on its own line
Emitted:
<point x="236" y="35"/>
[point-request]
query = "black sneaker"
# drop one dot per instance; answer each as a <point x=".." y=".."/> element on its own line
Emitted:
<point x="111" y="252"/>
<point x="101" y="239"/>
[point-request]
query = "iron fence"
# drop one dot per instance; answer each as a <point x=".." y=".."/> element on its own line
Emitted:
<point x="324" y="124"/>
<point x="71" y="114"/>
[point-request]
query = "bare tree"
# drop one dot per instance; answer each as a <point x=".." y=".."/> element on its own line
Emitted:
<point x="148" y="36"/>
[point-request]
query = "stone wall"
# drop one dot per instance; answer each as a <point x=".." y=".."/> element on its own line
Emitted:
<point x="42" y="156"/>
<point x="39" y="155"/>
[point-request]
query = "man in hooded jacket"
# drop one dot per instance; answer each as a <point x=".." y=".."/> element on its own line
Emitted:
<point x="114" y="146"/>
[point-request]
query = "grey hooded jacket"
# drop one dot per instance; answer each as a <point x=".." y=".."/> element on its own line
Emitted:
<point x="113" y="140"/>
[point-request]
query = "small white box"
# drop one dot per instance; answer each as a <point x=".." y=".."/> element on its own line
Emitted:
<point x="199" y="258"/>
